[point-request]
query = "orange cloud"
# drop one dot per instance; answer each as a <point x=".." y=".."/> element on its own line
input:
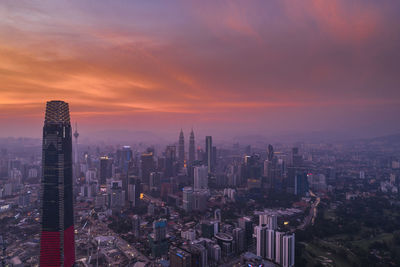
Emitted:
<point x="213" y="63"/>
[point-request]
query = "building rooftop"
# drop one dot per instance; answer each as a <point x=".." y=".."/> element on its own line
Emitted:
<point x="57" y="112"/>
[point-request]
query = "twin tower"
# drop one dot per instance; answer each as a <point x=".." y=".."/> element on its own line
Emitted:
<point x="181" y="148"/>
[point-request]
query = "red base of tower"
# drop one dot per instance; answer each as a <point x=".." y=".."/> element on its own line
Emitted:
<point x="69" y="246"/>
<point x="50" y="248"/>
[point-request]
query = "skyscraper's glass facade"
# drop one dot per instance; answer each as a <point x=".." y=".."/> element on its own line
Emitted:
<point x="57" y="233"/>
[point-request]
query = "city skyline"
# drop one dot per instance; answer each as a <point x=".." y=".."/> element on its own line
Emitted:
<point x="208" y="133"/>
<point x="242" y="205"/>
<point x="226" y="69"/>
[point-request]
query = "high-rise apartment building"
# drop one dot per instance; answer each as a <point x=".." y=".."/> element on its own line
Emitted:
<point x="270" y="244"/>
<point x="260" y="233"/>
<point x="270" y="220"/>
<point x="288" y="250"/>
<point x="57" y="245"/>
<point x="279" y="247"/>
<point x="284" y="249"/>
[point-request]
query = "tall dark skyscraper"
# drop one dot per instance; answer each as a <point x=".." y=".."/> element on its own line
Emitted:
<point x="293" y="169"/>
<point x="126" y="159"/>
<point x="105" y="170"/>
<point x="147" y="166"/>
<point x="181" y="149"/>
<point x="57" y="245"/>
<point x="125" y="163"/>
<point x="270" y="152"/>
<point x="170" y="158"/>
<point x="270" y="168"/>
<point x="192" y="148"/>
<point x="209" y="152"/>
<point x="134" y="191"/>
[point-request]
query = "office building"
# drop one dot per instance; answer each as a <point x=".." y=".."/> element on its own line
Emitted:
<point x="270" y="169"/>
<point x="187" y="199"/>
<point x="170" y="159"/>
<point x="101" y="200"/>
<point x="200" y="198"/>
<point x="189" y="235"/>
<point x="125" y="158"/>
<point x="155" y="181"/>
<point x="181" y="149"/>
<point x="90" y="176"/>
<point x="239" y="238"/>
<point x="209" y="228"/>
<point x="116" y="196"/>
<point x="179" y="258"/>
<point x="301" y="184"/>
<point x="125" y="161"/>
<point x="158" y="239"/>
<point x="247" y="225"/>
<point x="160" y="229"/>
<point x="105" y="170"/>
<point x="213" y="157"/>
<point x="216" y="253"/>
<point x="200" y="177"/>
<point x="209" y="153"/>
<point x="136" y="226"/>
<point x="192" y="148"/>
<point x="225" y="241"/>
<point x="199" y="255"/>
<point x="270" y="152"/>
<point x="57" y="245"/>
<point x="134" y="190"/>
<point x="147" y="166"/>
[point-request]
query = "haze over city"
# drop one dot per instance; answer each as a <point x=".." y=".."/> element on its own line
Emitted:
<point x="232" y="68"/>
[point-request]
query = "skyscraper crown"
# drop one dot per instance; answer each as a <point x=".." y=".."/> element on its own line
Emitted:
<point x="57" y="112"/>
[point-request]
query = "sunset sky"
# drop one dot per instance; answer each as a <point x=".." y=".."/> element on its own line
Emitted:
<point x="224" y="68"/>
